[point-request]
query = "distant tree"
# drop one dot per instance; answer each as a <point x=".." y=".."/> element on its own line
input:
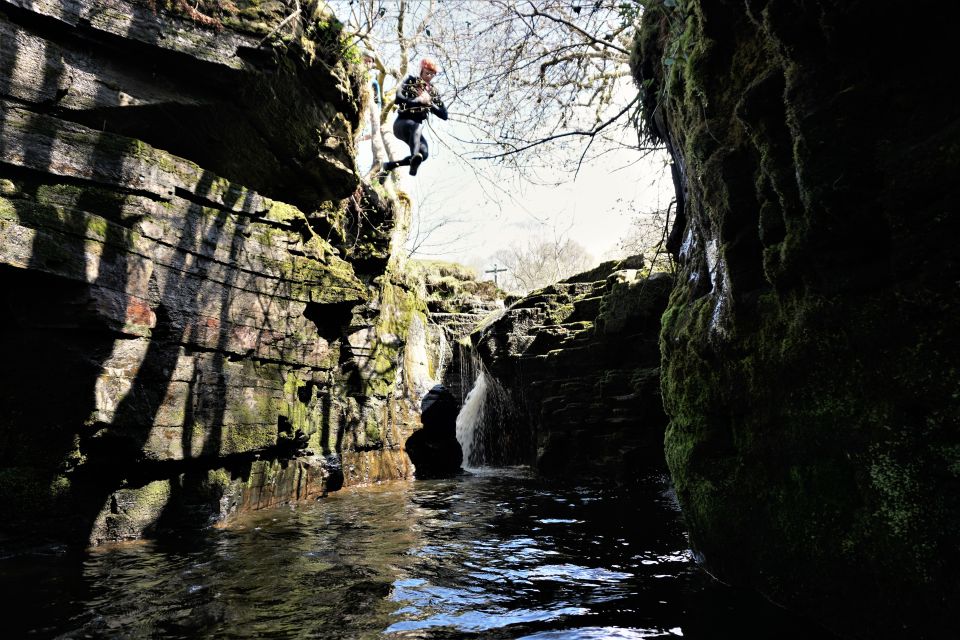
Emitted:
<point x="541" y="261"/>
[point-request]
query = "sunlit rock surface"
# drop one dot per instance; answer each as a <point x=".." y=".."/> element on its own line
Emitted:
<point x="199" y="313"/>
<point x="579" y="362"/>
<point x="810" y="345"/>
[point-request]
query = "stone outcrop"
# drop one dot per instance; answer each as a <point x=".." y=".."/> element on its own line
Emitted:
<point x="578" y="362"/>
<point x="440" y="351"/>
<point x="200" y="312"/>
<point x="810" y="348"/>
<point x="434" y="449"/>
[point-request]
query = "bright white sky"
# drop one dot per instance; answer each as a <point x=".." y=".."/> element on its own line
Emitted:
<point x="596" y="210"/>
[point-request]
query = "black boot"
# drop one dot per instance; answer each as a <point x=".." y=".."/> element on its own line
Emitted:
<point x="385" y="171"/>
<point x="415" y="163"/>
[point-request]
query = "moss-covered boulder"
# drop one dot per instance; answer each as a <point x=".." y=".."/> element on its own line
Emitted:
<point x="809" y="347"/>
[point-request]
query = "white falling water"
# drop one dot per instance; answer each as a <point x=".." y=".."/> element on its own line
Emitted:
<point x="441" y="363"/>
<point x="471" y="419"/>
<point x="487" y="426"/>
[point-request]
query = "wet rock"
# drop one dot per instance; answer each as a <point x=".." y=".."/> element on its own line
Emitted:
<point x="190" y="307"/>
<point x="578" y="362"/>
<point x="434" y="449"/>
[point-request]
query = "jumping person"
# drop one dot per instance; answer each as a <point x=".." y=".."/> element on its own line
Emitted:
<point x="416" y="99"/>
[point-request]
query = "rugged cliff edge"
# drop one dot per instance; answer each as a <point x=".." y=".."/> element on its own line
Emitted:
<point x="576" y="366"/>
<point x="200" y="312"/>
<point x="810" y="345"/>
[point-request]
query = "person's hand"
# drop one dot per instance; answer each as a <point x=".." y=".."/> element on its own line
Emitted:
<point x="424" y="98"/>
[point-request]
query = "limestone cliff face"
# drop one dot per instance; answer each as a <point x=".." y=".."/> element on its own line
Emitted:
<point x="810" y="347"/>
<point x="199" y="312"/>
<point x="577" y="364"/>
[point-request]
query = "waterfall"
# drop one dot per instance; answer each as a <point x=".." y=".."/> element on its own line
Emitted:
<point x="470" y="417"/>
<point x="491" y="429"/>
<point x="487" y="425"/>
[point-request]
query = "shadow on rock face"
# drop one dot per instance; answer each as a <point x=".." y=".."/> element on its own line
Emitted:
<point x="434" y="449"/>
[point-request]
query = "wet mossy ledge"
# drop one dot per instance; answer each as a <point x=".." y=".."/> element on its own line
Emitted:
<point x="809" y="347"/>
<point x="202" y="313"/>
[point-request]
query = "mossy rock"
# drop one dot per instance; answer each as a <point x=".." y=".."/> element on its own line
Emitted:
<point x="808" y="366"/>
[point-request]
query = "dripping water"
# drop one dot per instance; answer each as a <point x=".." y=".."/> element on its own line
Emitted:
<point x="441" y="358"/>
<point x="487" y="425"/>
<point x="471" y="415"/>
<point x="468" y="363"/>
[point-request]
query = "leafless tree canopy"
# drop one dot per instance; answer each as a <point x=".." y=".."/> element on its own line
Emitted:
<point x="647" y="236"/>
<point x="517" y="74"/>
<point x="541" y="261"/>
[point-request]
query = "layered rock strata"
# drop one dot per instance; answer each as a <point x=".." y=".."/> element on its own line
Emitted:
<point x="199" y="312"/>
<point x="579" y="364"/>
<point x="809" y="347"/>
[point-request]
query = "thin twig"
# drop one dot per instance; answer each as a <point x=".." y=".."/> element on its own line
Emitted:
<point x="570" y="25"/>
<point x="566" y="134"/>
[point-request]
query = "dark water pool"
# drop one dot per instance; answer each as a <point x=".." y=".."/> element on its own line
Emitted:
<point x="490" y="555"/>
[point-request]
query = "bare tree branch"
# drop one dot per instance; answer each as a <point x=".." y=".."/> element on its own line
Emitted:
<point x="565" y="134"/>
<point x="588" y="36"/>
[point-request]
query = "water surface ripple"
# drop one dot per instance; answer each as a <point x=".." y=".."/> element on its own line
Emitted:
<point x="495" y="554"/>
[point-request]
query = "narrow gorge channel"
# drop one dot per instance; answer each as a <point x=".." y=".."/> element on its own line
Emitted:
<point x="233" y="404"/>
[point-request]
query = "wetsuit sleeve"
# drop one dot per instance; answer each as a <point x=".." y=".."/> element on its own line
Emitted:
<point x="437" y="108"/>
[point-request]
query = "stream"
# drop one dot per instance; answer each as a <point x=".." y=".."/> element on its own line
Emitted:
<point x="491" y="554"/>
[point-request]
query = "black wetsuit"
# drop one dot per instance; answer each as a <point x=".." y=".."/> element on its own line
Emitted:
<point x="412" y="115"/>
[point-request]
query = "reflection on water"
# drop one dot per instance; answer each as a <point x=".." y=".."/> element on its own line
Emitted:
<point x="491" y="555"/>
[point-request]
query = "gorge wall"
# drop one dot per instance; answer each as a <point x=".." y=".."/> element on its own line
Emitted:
<point x="809" y="347"/>
<point x="200" y="313"/>
<point x="573" y="374"/>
